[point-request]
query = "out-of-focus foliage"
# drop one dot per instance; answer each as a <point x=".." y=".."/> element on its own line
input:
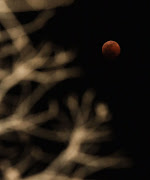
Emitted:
<point x="44" y="142"/>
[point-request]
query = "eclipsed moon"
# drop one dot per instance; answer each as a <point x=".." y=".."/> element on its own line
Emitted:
<point x="111" y="49"/>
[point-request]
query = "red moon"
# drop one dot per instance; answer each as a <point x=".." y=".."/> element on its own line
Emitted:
<point x="110" y="49"/>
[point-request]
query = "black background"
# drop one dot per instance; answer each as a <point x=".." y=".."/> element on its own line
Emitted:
<point x="122" y="83"/>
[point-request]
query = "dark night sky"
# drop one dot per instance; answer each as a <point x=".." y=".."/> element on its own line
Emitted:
<point x="122" y="83"/>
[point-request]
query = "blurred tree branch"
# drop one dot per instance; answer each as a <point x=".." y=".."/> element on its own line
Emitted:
<point x="44" y="66"/>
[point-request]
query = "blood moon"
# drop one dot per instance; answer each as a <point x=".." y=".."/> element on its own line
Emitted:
<point x="111" y="49"/>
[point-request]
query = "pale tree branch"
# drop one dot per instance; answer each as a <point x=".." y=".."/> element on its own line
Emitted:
<point x="35" y="128"/>
<point x="32" y="5"/>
